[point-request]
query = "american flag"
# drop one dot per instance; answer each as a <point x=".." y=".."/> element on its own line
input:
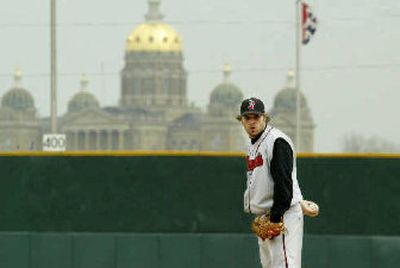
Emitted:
<point x="309" y="23"/>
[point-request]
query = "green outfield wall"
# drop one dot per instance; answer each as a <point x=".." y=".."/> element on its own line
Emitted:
<point x="180" y="194"/>
<point x="185" y="210"/>
<point x="108" y="250"/>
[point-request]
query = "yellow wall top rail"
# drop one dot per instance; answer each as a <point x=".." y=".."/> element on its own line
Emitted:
<point x="191" y="153"/>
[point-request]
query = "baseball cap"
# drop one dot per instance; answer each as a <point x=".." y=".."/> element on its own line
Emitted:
<point x="252" y="106"/>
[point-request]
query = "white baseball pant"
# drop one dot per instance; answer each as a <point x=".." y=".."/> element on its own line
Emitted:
<point x="284" y="251"/>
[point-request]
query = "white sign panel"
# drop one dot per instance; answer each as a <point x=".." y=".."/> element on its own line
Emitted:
<point x="54" y="142"/>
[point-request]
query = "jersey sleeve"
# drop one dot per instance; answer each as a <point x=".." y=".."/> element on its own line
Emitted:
<point x="281" y="168"/>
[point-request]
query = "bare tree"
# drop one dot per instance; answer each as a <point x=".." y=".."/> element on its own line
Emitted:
<point x="357" y="143"/>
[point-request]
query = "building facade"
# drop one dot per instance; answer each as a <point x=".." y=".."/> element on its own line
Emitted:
<point x="153" y="112"/>
<point x="19" y="125"/>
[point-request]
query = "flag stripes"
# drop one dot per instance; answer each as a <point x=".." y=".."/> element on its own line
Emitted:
<point x="309" y="23"/>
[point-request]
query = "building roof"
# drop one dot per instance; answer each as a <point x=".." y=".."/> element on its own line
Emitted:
<point x="226" y="92"/>
<point x="83" y="99"/>
<point x="287" y="99"/>
<point x="17" y="97"/>
<point x="192" y="120"/>
<point x="154" y="35"/>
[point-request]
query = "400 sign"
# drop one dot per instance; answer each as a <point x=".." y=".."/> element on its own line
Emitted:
<point x="54" y="142"/>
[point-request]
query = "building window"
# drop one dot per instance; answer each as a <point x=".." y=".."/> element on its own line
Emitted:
<point x="136" y="86"/>
<point x="142" y="86"/>
<point x="173" y="85"/>
<point x="165" y="86"/>
<point x="182" y="86"/>
<point x="149" y="86"/>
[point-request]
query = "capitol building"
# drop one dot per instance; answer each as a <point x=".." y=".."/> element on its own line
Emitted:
<point x="153" y="112"/>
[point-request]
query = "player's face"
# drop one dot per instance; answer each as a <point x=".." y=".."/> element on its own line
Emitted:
<point x="253" y="124"/>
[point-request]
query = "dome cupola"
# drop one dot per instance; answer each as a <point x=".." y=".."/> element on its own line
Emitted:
<point x="154" y="35"/>
<point x="83" y="99"/>
<point x="17" y="97"/>
<point x="226" y="97"/>
<point x="287" y="97"/>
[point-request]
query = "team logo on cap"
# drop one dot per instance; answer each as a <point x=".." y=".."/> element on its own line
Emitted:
<point x="252" y="103"/>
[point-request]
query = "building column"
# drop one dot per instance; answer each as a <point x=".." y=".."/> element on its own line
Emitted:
<point x="69" y="135"/>
<point x="86" y="139"/>
<point x="75" y="140"/>
<point x="121" y="139"/>
<point x="109" y="140"/>
<point x="98" y="134"/>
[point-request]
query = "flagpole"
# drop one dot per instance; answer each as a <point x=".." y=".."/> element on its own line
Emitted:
<point x="297" y="70"/>
<point x="53" y="68"/>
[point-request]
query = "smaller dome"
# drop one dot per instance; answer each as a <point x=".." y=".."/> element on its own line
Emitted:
<point x="226" y="94"/>
<point x="226" y="97"/>
<point x="17" y="97"/>
<point x="83" y="99"/>
<point x="287" y="99"/>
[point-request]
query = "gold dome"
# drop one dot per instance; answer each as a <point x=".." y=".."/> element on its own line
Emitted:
<point x="154" y="37"/>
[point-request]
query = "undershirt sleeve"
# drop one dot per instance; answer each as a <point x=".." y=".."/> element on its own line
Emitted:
<point x="281" y="170"/>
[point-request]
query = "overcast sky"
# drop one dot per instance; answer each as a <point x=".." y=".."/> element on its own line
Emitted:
<point x="350" y="68"/>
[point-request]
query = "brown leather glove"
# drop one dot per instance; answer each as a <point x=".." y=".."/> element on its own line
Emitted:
<point x="265" y="229"/>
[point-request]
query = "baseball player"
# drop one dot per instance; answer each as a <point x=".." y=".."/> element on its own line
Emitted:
<point x="272" y="193"/>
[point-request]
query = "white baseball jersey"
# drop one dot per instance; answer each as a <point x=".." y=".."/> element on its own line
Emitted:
<point x="258" y="197"/>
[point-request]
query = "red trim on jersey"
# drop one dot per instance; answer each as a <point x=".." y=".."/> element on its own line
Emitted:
<point x="284" y="251"/>
<point x="252" y="164"/>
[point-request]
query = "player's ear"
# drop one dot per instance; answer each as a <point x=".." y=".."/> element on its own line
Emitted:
<point x="239" y="118"/>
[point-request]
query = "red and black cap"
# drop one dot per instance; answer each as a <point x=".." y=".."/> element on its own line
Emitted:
<point x="252" y="106"/>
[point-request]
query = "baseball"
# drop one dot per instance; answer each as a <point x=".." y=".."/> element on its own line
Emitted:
<point x="310" y="208"/>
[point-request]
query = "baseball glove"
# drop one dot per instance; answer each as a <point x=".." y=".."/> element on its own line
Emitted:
<point x="264" y="228"/>
<point x="309" y="208"/>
